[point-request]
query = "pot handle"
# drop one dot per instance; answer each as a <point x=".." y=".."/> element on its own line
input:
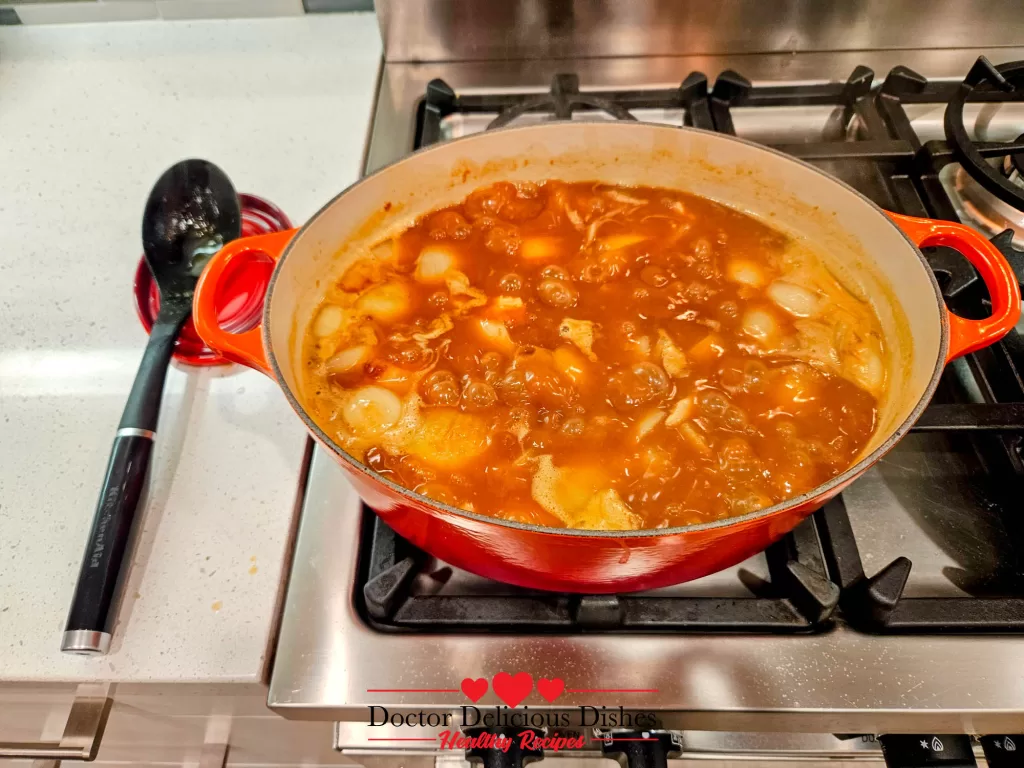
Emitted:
<point x="222" y="281"/>
<point x="971" y="335"/>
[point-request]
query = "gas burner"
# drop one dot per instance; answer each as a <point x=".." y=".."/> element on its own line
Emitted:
<point x="986" y="210"/>
<point x="989" y="181"/>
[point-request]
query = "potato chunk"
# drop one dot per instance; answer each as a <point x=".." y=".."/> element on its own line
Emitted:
<point x="541" y="248"/>
<point x="448" y="438"/>
<point x="571" y="364"/>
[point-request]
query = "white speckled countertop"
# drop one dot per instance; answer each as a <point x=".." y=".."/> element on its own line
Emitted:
<point x="90" y="115"/>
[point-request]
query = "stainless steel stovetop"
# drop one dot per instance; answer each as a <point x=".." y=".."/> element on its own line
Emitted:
<point x="330" y="664"/>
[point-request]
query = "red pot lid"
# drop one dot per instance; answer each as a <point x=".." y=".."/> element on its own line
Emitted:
<point x="259" y="217"/>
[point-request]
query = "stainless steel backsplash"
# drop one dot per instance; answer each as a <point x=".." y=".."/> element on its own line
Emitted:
<point x="463" y="30"/>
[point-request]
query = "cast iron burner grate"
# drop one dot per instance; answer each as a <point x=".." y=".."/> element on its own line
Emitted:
<point x="819" y="565"/>
<point x="798" y="597"/>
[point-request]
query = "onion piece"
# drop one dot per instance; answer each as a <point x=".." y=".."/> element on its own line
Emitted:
<point x="433" y="263"/>
<point x="864" y="367"/>
<point x="746" y="273"/>
<point x="617" y="242"/>
<point x="384" y="250"/>
<point x="795" y="299"/>
<point x="680" y="412"/>
<point x="348" y="360"/>
<point x="495" y="333"/>
<point x="621" y="197"/>
<point x="646" y="423"/>
<point x="387" y="303"/>
<point x="760" y="324"/>
<point x="694" y="438"/>
<point x="328" y="320"/>
<point x="372" y="410"/>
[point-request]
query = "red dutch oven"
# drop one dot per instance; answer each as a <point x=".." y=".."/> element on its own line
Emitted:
<point x="877" y="253"/>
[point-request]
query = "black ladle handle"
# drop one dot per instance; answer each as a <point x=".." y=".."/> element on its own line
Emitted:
<point x="97" y="593"/>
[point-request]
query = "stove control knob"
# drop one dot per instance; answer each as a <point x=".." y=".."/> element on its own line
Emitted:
<point x="926" y="750"/>
<point x="504" y="747"/>
<point x="1004" y="751"/>
<point x="641" y="749"/>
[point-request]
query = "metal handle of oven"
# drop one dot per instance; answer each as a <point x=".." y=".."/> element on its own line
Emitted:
<point x="83" y="730"/>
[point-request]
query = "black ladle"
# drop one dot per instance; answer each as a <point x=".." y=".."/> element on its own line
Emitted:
<point x="191" y="213"/>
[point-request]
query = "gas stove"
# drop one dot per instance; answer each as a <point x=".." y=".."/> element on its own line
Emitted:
<point x="896" y="609"/>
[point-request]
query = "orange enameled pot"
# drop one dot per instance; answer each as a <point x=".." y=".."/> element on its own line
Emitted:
<point x="877" y="256"/>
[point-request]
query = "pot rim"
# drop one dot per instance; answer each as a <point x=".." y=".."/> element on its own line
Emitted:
<point x="824" y="489"/>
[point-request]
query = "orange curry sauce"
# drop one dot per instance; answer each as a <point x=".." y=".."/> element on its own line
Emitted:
<point x="590" y="356"/>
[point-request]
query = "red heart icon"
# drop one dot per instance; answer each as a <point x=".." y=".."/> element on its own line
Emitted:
<point x="474" y="689"/>
<point x="512" y="689"/>
<point x="550" y="689"/>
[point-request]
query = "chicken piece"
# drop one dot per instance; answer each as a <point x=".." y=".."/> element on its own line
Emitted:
<point x="672" y="358"/>
<point x="606" y="511"/>
<point x="459" y="287"/>
<point x="580" y="333"/>
<point x="439" y="326"/>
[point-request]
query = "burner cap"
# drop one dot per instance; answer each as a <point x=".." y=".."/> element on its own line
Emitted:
<point x="259" y="217"/>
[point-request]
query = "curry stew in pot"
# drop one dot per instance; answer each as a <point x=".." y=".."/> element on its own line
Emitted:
<point x="591" y="356"/>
